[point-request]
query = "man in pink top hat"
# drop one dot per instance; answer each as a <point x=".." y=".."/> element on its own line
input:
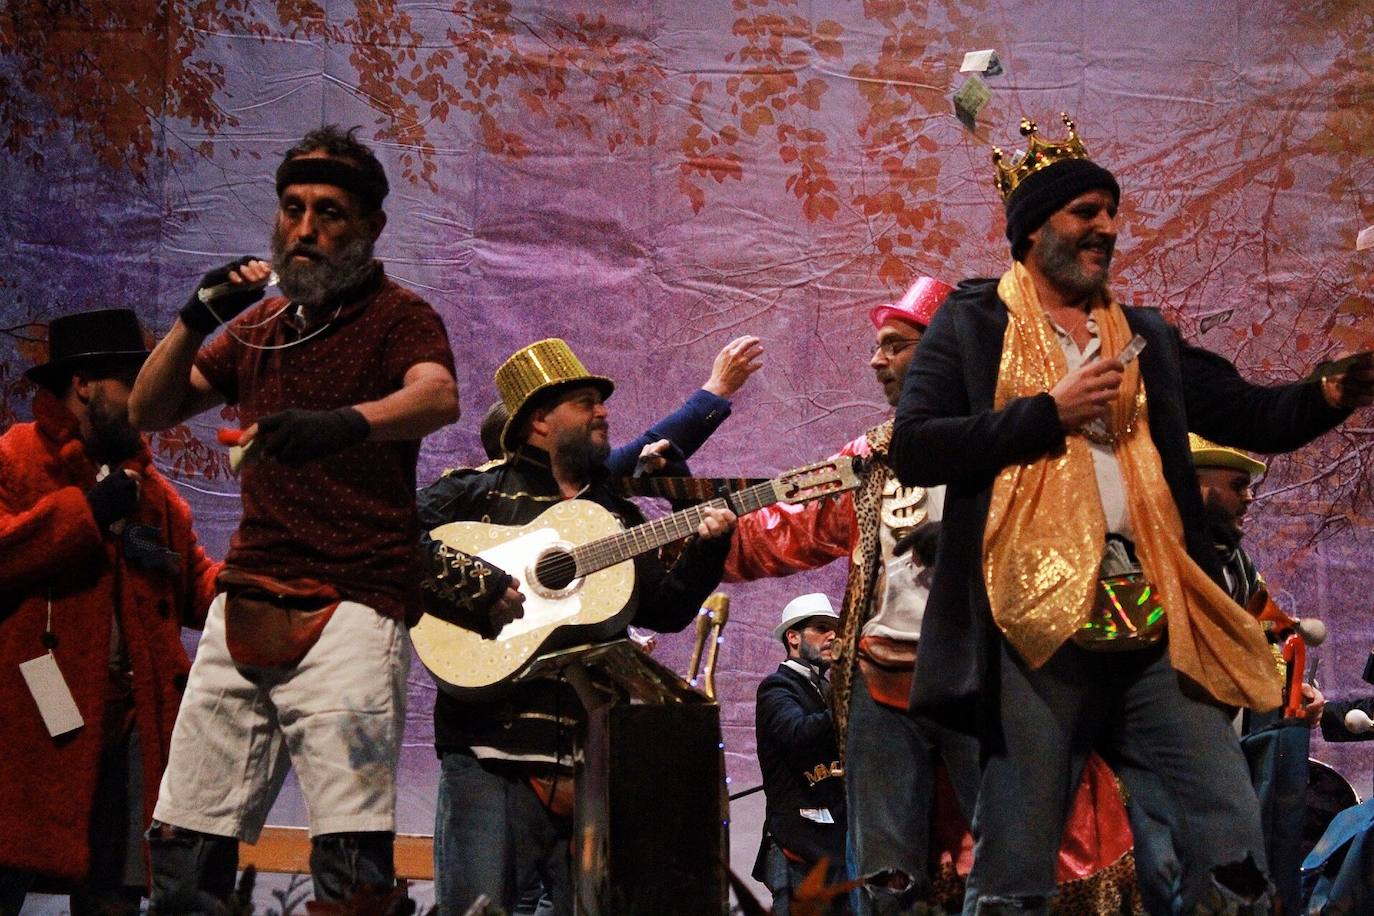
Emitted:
<point x="889" y="532"/>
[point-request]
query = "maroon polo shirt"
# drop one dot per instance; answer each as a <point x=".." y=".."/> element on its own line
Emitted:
<point x="348" y="519"/>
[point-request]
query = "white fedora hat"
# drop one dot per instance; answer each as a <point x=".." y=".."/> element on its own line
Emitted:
<point x="802" y="607"/>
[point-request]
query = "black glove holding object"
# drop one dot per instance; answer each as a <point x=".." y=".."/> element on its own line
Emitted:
<point x="197" y="316"/>
<point x="295" y="436"/>
<point x="113" y="498"/>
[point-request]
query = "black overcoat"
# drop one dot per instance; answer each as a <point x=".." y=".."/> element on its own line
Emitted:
<point x="947" y="432"/>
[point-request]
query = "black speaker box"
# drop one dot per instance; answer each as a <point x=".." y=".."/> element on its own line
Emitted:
<point x="650" y="837"/>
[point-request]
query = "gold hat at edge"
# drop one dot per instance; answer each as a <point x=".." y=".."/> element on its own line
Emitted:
<point x="542" y="366"/>
<point x="1210" y="455"/>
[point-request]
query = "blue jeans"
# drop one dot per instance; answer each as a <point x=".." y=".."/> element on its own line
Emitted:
<point x="1177" y="751"/>
<point x="493" y="836"/>
<point x="783" y="876"/>
<point x="889" y="776"/>
<point x="1277" y="754"/>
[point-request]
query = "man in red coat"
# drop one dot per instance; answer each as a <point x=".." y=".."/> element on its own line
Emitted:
<point x="99" y="571"/>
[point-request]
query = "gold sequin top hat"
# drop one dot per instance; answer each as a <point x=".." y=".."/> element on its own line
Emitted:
<point x="541" y="368"/>
<point x="1208" y="454"/>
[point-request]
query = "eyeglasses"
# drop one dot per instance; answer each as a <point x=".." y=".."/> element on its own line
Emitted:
<point x="894" y="346"/>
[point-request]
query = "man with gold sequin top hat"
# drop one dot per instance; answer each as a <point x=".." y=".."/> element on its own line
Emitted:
<point x="1078" y="604"/>
<point x="503" y="817"/>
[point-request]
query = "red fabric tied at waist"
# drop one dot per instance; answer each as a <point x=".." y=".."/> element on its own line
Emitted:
<point x="887" y="665"/>
<point x="272" y="623"/>
<point x="1096" y="835"/>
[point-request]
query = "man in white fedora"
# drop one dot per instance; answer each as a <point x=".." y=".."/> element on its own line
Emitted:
<point x="798" y="754"/>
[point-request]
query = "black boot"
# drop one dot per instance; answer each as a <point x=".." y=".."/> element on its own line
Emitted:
<point x="346" y="864"/>
<point x="193" y="872"/>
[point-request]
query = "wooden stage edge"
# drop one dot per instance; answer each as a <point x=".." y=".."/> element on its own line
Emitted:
<point x="286" y="851"/>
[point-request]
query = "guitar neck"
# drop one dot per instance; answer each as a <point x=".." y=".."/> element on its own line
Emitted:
<point x="604" y="552"/>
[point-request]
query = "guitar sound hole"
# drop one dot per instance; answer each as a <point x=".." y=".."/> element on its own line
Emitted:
<point x="556" y="570"/>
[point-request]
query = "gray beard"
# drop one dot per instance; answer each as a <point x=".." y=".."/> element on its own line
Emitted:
<point x="314" y="283"/>
<point x="1057" y="259"/>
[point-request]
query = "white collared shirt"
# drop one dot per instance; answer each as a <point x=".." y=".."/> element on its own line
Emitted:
<point x="1111" y="487"/>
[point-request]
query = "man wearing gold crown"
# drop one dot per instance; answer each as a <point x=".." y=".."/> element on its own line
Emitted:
<point x="503" y="816"/>
<point x="901" y="816"/>
<point x="1077" y="604"/>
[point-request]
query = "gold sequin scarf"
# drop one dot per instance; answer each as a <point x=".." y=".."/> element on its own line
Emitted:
<point x="1045" y="533"/>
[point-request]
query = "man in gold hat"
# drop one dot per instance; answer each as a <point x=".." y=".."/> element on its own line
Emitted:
<point x="1276" y="748"/>
<point x="1077" y="603"/>
<point x="503" y="817"/>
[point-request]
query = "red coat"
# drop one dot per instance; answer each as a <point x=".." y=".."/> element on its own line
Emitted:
<point x="50" y="547"/>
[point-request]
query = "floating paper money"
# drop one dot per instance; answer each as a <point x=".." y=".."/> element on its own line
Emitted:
<point x="969" y="99"/>
<point x="1365" y="239"/>
<point x="1212" y="321"/>
<point x="984" y="62"/>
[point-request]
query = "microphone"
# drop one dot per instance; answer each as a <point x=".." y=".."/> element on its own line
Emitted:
<point x="1312" y="631"/>
<point x="1357" y="722"/>
<point x="208" y="294"/>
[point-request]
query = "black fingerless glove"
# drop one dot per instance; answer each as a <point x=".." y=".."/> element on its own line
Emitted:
<point x="113" y="498"/>
<point x="462" y="589"/>
<point x="296" y="436"/>
<point x="144" y="549"/>
<point x="203" y="318"/>
<point x="923" y="541"/>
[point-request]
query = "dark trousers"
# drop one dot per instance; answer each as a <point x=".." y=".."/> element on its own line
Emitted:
<point x="115" y="880"/>
<point x="493" y="836"/>
<point x="194" y="872"/>
<point x="1177" y="750"/>
<point x="890" y="759"/>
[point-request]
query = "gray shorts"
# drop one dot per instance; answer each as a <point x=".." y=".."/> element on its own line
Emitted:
<point x="337" y="717"/>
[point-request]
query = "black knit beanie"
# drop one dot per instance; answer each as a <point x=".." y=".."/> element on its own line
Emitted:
<point x="1039" y="196"/>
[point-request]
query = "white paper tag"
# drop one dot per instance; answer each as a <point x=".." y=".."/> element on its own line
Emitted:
<point x="1365" y="239"/>
<point x="984" y="62"/>
<point x="50" y="692"/>
<point x="819" y="815"/>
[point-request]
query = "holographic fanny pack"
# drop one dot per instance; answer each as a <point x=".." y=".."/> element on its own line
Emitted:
<point x="1126" y="611"/>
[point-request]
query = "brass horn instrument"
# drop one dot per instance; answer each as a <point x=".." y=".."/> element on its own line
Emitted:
<point x="711" y="620"/>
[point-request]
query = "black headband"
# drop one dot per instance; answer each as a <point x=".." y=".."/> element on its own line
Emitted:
<point x="338" y="172"/>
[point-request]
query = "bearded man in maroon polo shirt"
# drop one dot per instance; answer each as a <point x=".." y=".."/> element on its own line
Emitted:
<point x="304" y="657"/>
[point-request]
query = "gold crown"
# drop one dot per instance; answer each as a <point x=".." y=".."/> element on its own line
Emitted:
<point x="1039" y="154"/>
<point x="543" y="365"/>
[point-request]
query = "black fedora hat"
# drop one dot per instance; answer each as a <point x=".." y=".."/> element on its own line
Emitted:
<point x="104" y="341"/>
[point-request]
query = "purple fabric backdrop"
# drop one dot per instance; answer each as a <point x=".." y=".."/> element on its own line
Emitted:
<point x="651" y="180"/>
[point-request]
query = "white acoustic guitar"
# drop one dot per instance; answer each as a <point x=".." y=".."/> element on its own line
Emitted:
<point x="570" y="563"/>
